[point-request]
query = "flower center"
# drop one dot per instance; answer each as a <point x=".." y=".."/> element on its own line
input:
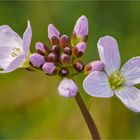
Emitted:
<point x="15" y="52"/>
<point x="116" y="80"/>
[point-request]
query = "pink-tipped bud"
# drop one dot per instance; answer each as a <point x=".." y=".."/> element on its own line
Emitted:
<point x="67" y="88"/>
<point x="94" y="66"/>
<point x="78" y="66"/>
<point x="52" y="57"/>
<point x="49" y="68"/>
<point x="68" y="51"/>
<point x="36" y="60"/>
<point x="64" y="41"/>
<point x="55" y="49"/>
<point x="64" y="72"/>
<point x="79" y="49"/>
<point x="53" y="34"/>
<point x="81" y="26"/>
<point x="42" y="49"/>
<point x="65" y="59"/>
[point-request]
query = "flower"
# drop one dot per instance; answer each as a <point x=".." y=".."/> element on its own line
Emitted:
<point x="13" y="49"/>
<point x="67" y="88"/>
<point x="115" y="80"/>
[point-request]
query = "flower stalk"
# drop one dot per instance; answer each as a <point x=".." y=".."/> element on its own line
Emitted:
<point x="90" y="122"/>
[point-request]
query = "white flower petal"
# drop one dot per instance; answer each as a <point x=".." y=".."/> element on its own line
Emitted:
<point x="5" y="52"/>
<point x="130" y="97"/>
<point x="109" y="54"/>
<point x="27" y="36"/>
<point x="96" y="84"/>
<point x="5" y="57"/>
<point x="9" y="38"/>
<point x="131" y="71"/>
<point x="16" y="63"/>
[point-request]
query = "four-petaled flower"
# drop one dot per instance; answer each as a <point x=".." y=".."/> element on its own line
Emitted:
<point x="114" y="80"/>
<point x="13" y="50"/>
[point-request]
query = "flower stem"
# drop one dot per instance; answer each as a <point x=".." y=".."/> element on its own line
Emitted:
<point x="90" y="122"/>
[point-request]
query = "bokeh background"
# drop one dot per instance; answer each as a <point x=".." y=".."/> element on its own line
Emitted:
<point x="30" y="106"/>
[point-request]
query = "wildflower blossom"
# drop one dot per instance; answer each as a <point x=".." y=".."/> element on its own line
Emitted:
<point x="115" y="80"/>
<point x="13" y="49"/>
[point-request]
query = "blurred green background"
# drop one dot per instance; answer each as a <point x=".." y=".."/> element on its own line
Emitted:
<point x="30" y="106"/>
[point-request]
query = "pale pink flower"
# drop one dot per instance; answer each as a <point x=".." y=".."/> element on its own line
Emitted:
<point x="115" y="80"/>
<point x="13" y="49"/>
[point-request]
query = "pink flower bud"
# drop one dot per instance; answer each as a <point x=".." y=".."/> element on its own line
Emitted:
<point x="78" y="66"/>
<point x="52" y="57"/>
<point x="36" y="60"/>
<point x="65" y="59"/>
<point x="53" y="34"/>
<point x="79" y="49"/>
<point x="41" y="48"/>
<point x="55" y="49"/>
<point x="49" y="68"/>
<point x="64" y="41"/>
<point x="64" y="72"/>
<point x="94" y="66"/>
<point x="67" y="88"/>
<point x="81" y="26"/>
<point x="68" y="51"/>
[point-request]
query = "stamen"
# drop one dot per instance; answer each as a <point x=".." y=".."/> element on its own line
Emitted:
<point x="116" y="80"/>
<point x="15" y="52"/>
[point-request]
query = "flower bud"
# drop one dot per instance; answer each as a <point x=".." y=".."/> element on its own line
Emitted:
<point x="53" y="34"/>
<point x="55" y="49"/>
<point x="52" y="57"/>
<point x="79" y="66"/>
<point x="79" y="49"/>
<point x="64" y="41"/>
<point x="67" y="88"/>
<point x="42" y="49"/>
<point x="94" y="66"/>
<point x="65" y="59"/>
<point x="49" y="68"/>
<point x="81" y="27"/>
<point x="68" y="51"/>
<point x="36" y="60"/>
<point x="64" y="72"/>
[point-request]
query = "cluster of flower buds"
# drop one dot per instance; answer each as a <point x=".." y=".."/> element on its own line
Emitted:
<point x="62" y="58"/>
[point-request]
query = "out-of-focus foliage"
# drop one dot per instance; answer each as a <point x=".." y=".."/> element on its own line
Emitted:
<point x="30" y="106"/>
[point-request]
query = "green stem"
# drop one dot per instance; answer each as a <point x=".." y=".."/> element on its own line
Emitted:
<point x="90" y="122"/>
